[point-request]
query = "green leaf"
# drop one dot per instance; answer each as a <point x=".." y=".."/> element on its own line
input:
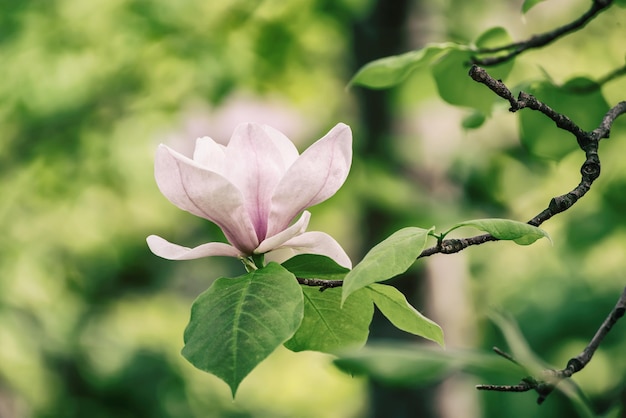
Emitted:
<point x="397" y="309"/>
<point x="529" y="4"/>
<point x="520" y="350"/>
<point x="313" y="266"/>
<point x="456" y="87"/>
<point x="620" y="3"/>
<point x="408" y="365"/>
<point x="391" y="257"/>
<point x="493" y="37"/>
<point x="474" y="120"/>
<point x="327" y="326"/>
<point x="505" y="229"/>
<point x="390" y="71"/>
<point x="397" y="367"/>
<point x="237" y="323"/>
<point x="580" y="99"/>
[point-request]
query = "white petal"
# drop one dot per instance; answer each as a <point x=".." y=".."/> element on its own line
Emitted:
<point x="287" y="150"/>
<point x="314" y="177"/>
<point x="210" y="155"/>
<point x="255" y="166"/>
<point x="206" y="194"/>
<point x="316" y="242"/>
<point x="166" y="249"/>
<point x="279" y="239"/>
<point x="280" y="255"/>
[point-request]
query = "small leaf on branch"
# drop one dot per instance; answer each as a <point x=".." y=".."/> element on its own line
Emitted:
<point x="529" y="4"/>
<point x="450" y="74"/>
<point x="474" y="120"/>
<point x="327" y="326"/>
<point x="389" y="258"/>
<point x="314" y="266"/>
<point x="390" y="71"/>
<point x="492" y="38"/>
<point x="506" y="229"/>
<point x="402" y="315"/>
<point x="237" y="323"/>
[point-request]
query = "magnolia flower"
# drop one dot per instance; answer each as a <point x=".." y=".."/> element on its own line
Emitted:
<point x="253" y="189"/>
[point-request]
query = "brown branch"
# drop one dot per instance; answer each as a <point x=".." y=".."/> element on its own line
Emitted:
<point x="590" y="169"/>
<point x="538" y="41"/>
<point x="587" y="141"/>
<point x="551" y="378"/>
<point x="577" y="363"/>
<point x="544" y="386"/>
<point x="322" y="283"/>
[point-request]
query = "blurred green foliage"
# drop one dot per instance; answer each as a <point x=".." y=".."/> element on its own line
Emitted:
<point x="91" y="322"/>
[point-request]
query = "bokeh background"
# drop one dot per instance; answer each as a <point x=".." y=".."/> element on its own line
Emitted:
<point x="91" y="322"/>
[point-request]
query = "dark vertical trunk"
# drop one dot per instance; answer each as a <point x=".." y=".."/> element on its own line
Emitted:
<point x="384" y="33"/>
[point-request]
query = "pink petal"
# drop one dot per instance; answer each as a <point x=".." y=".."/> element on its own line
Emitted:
<point x="316" y="242"/>
<point x="314" y="177"/>
<point x="279" y="239"/>
<point x="206" y="194"/>
<point x="166" y="249"/>
<point x="255" y="166"/>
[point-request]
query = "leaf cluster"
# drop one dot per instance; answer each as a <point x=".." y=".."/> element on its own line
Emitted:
<point x="238" y="322"/>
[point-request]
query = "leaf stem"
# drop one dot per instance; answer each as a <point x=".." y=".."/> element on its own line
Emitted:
<point x="249" y="264"/>
<point x="258" y="260"/>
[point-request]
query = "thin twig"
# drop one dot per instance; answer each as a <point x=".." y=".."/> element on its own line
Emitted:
<point x="538" y="41"/>
<point x="506" y="355"/>
<point x="551" y="378"/>
<point x="520" y="387"/>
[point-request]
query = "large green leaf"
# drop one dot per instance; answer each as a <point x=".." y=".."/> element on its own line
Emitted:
<point x="237" y="323"/>
<point x="580" y="99"/>
<point x="390" y="71"/>
<point x="505" y="229"/>
<point x="329" y="327"/>
<point x="397" y="309"/>
<point x="389" y="258"/>
<point x="313" y="266"/>
<point x="456" y="87"/>
<point x="408" y="365"/>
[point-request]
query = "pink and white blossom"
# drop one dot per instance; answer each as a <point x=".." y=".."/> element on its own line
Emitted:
<point x="254" y="189"/>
